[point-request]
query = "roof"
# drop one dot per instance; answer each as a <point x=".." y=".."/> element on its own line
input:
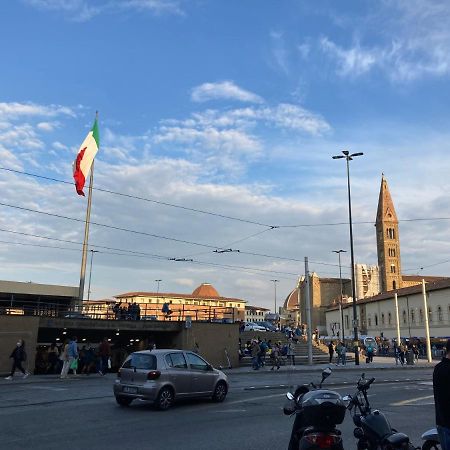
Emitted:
<point x="172" y="295"/>
<point x="419" y="278"/>
<point x="403" y="292"/>
<point x="386" y="210"/>
<point x="254" y="308"/>
<point x="206" y="290"/>
<point x="29" y="288"/>
<point x="291" y="301"/>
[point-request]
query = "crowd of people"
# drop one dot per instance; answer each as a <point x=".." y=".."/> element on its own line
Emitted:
<point x="130" y="311"/>
<point x="69" y="357"/>
<point x="263" y="350"/>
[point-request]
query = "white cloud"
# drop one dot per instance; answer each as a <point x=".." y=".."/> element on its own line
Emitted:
<point x="15" y="110"/>
<point x="280" y="54"/>
<point x="413" y="41"/>
<point x="83" y="10"/>
<point x="225" y="90"/>
<point x="47" y="126"/>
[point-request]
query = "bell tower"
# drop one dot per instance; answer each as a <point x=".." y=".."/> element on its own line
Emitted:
<point x="388" y="241"/>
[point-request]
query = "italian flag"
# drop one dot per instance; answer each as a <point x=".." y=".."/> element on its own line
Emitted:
<point x="85" y="158"/>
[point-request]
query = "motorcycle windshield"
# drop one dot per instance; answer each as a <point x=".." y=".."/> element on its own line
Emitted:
<point x="376" y="424"/>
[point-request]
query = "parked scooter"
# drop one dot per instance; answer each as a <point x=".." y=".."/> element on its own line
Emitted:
<point x="431" y="438"/>
<point x="317" y="412"/>
<point x="373" y="430"/>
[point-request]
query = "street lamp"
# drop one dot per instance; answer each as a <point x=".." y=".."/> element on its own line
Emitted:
<point x="90" y="273"/>
<point x="157" y="289"/>
<point x="342" y="293"/>
<point x="349" y="157"/>
<point x="275" y="286"/>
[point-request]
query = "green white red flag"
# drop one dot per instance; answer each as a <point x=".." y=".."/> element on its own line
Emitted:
<point x="85" y="158"/>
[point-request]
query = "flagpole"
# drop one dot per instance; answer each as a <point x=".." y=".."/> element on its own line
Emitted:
<point x="86" y="239"/>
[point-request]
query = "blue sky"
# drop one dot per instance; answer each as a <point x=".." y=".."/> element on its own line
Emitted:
<point x="231" y="107"/>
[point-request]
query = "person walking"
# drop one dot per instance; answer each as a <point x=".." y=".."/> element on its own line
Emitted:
<point x="331" y="350"/>
<point x="370" y="351"/>
<point x="70" y="355"/>
<point x="402" y="354"/>
<point x="338" y="353"/>
<point x="291" y="352"/>
<point x="53" y="358"/>
<point x="18" y="356"/>
<point x="275" y="356"/>
<point x="441" y="391"/>
<point x="255" y="353"/>
<point x="104" y="351"/>
<point x="343" y="354"/>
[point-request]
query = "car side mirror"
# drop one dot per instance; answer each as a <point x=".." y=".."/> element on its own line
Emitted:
<point x="209" y="367"/>
<point x="290" y="396"/>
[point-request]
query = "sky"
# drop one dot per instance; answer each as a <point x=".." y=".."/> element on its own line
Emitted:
<point x="218" y="120"/>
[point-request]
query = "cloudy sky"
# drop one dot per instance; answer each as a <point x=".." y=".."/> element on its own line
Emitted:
<point x="218" y="120"/>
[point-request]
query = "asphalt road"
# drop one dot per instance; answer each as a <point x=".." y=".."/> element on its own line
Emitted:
<point x="82" y="413"/>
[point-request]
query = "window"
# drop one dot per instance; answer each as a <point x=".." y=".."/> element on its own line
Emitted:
<point x="392" y="268"/>
<point x="140" y="361"/>
<point x="196" y="362"/>
<point x="439" y="314"/>
<point x="404" y="316"/>
<point x="376" y="320"/>
<point x="413" y="316"/>
<point x="176" y="360"/>
<point x="346" y="322"/>
<point x="394" y="285"/>
<point x="382" y="318"/>
<point x="389" y="318"/>
<point x="420" y="315"/>
<point x="430" y="315"/>
<point x="369" y="321"/>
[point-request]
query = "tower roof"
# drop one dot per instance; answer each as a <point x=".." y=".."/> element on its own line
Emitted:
<point x="206" y="290"/>
<point x="386" y="210"/>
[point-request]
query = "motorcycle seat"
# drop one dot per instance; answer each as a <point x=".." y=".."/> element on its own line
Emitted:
<point x="396" y="439"/>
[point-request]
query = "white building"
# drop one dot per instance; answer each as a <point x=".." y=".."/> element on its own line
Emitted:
<point x="367" y="280"/>
<point x="376" y="314"/>
<point x="255" y="313"/>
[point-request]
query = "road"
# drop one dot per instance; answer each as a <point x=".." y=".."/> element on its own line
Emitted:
<point x="82" y="413"/>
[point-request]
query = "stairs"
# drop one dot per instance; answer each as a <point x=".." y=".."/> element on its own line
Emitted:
<point x="320" y="351"/>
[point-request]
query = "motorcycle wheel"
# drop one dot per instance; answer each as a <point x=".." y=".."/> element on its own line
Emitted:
<point x="431" y="445"/>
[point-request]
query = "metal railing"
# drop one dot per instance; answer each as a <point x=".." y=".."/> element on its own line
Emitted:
<point x="145" y="312"/>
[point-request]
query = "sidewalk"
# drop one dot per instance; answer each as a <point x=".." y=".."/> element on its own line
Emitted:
<point x="110" y="377"/>
<point x="379" y="363"/>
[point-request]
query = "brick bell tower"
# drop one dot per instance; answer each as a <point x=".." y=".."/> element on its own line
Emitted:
<point x="388" y="241"/>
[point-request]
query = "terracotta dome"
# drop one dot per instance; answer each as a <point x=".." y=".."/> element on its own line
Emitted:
<point x="205" y="290"/>
<point x="291" y="301"/>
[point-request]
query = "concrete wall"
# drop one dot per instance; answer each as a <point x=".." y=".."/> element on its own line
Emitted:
<point x="13" y="328"/>
<point x="212" y="340"/>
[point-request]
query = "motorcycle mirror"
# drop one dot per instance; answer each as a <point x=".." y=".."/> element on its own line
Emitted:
<point x="363" y="376"/>
<point x="346" y="398"/>
<point x="290" y="396"/>
<point x="326" y="373"/>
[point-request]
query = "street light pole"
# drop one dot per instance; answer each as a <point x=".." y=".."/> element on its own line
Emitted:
<point x="157" y="289"/>
<point x="90" y="273"/>
<point x="275" y="286"/>
<point x="349" y="157"/>
<point x="342" y="292"/>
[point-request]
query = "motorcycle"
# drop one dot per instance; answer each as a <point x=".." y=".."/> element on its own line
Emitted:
<point x="373" y="430"/>
<point x="431" y="439"/>
<point x="317" y="412"/>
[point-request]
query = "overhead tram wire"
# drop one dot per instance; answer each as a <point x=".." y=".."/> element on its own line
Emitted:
<point x="223" y="216"/>
<point x="143" y="233"/>
<point x="126" y="252"/>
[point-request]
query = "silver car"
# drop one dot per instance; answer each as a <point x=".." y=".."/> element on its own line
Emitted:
<point x="162" y="376"/>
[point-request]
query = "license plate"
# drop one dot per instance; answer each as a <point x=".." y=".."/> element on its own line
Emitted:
<point x="130" y="390"/>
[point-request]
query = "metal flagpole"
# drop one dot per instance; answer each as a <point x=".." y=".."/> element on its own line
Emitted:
<point x="86" y="239"/>
<point x="427" y="325"/>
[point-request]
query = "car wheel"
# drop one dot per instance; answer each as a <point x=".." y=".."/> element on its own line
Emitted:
<point x="220" y="392"/>
<point x="165" y="398"/>
<point x="123" y="401"/>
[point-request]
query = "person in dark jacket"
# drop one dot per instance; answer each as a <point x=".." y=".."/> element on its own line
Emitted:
<point x="18" y="355"/>
<point x="441" y="389"/>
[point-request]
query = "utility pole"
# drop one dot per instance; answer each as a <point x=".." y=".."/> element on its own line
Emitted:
<point x="341" y="309"/>
<point x="427" y="325"/>
<point x="90" y="273"/>
<point x="308" y="313"/>
<point x="275" y="286"/>
<point x="397" y="320"/>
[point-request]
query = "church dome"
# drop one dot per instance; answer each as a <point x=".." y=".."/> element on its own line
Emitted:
<point x="291" y="301"/>
<point x="206" y="290"/>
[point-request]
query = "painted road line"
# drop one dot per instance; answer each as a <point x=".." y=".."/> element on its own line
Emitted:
<point x="412" y="400"/>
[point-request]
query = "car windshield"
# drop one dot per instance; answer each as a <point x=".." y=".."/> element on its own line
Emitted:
<point x="140" y="361"/>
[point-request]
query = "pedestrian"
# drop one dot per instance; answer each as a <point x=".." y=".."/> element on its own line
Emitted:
<point x="263" y="347"/>
<point x="255" y="352"/>
<point x="291" y="352"/>
<point x="104" y="352"/>
<point x="275" y="356"/>
<point x="370" y="351"/>
<point x="89" y="360"/>
<point x="416" y="354"/>
<point x="441" y="390"/>
<point x="343" y="354"/>
<point x="53" y="358"/>
<point x="70" y="358"/>
<point x="18" y="356"/>
<point x="338" y="353"/>
<point x="331" y="350"/>
<point x="402" y="354"/>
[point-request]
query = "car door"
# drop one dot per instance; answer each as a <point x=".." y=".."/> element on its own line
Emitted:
<point x="203" y="377"/>
<point x="178" y="373"/>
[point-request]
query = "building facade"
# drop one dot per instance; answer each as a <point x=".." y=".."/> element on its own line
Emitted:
<point x="377" y="315"/>
<point x="204" y="303"/>
<point x="255" y="313"/>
